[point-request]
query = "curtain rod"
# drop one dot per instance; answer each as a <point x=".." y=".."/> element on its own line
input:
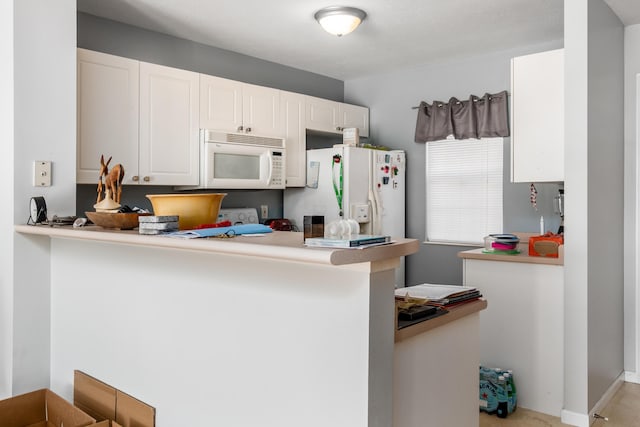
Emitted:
<point x="476" y="98"/>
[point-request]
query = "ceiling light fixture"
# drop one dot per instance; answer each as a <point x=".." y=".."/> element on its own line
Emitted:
<point x="339" y="20"/>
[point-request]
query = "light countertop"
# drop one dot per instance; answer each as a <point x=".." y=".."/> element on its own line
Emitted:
<point x="523" y="256"/>
<point x="454" y="314"/>
<point x="283" y="245"/>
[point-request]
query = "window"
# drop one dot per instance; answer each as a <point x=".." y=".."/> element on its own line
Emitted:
<point x="464" y="190"/>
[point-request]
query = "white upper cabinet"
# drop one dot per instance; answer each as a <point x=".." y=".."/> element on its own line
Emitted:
<point x="261" y="110"/>
<point x="330" y="116"/>
<point x="354" y="116"/>
<point x="169" y="103"/>
<point x="292" y="109"/>
<point x="220" y="104"/>
<point x="233" y="106"/>
<point x="537" y="117"/>
<point x="107" y="113"/>
<point x="144" y="116"/>
<point x="322" y="115"/>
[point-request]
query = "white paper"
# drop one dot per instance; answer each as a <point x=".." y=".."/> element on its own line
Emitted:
<point x="432" y="292"/>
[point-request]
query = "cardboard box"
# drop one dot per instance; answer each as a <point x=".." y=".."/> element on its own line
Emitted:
<point x="106" y="403"/>
<point x="41" y="408"/>
<point x="547" y="245"/>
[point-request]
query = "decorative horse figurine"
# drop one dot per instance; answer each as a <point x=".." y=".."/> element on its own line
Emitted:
<point x="113" y="181"/>
<point x="104" y="171"/>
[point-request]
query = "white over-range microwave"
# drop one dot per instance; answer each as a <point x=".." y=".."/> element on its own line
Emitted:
<point x="238" y="160"/>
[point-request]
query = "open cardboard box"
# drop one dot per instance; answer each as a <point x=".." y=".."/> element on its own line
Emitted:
<point x="106" y="403"/>
<point x="41" y="408"/>
<point x="96" y="405"/>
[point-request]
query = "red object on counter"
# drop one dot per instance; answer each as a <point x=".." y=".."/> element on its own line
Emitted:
<point x="216" y="225"/>
<point x="545" y="245"/>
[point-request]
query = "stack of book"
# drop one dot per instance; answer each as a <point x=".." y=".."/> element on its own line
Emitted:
<point x="157" y="224"/>
<point x="356" y="241"/>
<point x="446" y="296"/>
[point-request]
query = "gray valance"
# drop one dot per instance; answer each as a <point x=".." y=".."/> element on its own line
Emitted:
<point x="474" y="118"/>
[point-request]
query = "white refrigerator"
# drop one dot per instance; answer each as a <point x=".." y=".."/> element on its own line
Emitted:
<point x="370" y="184"/>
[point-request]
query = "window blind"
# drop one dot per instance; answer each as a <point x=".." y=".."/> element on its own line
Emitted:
<point x="463" y="190"/>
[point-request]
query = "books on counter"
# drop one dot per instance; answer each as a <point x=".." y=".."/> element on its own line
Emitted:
<point x="359" y="241"/>
<point x="446" y="295"/>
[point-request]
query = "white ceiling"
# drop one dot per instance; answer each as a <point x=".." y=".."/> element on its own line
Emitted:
<point x="396" y="33"/>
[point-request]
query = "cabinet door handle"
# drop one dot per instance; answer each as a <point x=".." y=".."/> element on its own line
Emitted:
<point x="240" y="128"/>
<point x="146" y="179"/>
<point x="248" y="130"/>
<point x="135" y="178"/>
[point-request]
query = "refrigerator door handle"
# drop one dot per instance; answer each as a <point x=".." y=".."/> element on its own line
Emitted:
<point x="374" y="202"/>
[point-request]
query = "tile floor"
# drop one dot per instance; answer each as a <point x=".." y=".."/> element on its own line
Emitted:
<point x="622" y="411"/>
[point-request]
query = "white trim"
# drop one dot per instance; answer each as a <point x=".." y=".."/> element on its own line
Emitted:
<point x="607" y="396"/>
<point x="636" y="237"/>
<point x="631" y="377"/>
<point x="574" y="418"/>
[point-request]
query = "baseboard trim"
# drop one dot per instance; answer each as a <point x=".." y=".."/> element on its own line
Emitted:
<point x="631" y="377"/>
<point x="607" y="396"/>
<point x="574" y="418"/>
<point x="585" y="420"/>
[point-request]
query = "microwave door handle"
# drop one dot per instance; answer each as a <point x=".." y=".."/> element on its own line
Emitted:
<point x="270" y="170"/>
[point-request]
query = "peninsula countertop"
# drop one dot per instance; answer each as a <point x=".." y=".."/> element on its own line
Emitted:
<point x="285" y="245"/>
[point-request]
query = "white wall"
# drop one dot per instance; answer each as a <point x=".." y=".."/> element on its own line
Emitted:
<point x="631" y="260"/>
<point x="44" y="129"/>
<point x="6" y="190"/>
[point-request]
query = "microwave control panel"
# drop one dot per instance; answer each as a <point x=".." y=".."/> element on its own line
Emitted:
<point x="277" y="176"/>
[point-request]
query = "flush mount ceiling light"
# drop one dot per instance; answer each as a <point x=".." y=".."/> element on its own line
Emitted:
<point x="339" y="20"/>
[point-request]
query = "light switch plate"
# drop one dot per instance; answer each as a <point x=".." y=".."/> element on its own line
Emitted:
<point x="41" y="173"/>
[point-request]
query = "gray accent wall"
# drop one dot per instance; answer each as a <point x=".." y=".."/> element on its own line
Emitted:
<point x="632" y="69"/>
<point x="390" y="98"/>
<point x="594" y="142"/>
<point x="605" y="198"/>
<point x="120" y="39"/>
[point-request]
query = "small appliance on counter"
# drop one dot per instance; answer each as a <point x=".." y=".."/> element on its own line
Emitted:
<point x="239" y="215"/>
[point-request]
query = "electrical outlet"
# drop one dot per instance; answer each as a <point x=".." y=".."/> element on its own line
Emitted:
<point x="264" y="211"/>
<point x="41" y="173"/>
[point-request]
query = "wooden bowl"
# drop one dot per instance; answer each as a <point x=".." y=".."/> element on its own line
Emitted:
<point x="193" y="209"/>
<point x="115" y="220"/>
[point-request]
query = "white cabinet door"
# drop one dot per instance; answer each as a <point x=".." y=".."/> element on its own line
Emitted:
<point x="522" y="327"/>
<point x="322" y="115"/>
<point x="292" y="108"/>
<point x="261" y="110"/>
<point x="169" y="101"/>
<point x="107" y="113"/>
<point x="537" y="117"/>
<point x="220" y="104"/>
<point x="354" y="116"/>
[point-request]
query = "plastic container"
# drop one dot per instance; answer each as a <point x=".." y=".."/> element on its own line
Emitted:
<point x="501" y="243"/>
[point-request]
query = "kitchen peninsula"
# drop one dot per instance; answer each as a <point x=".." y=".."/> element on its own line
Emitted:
<point x="236" y="332"/>
<point x="242" y="331"/>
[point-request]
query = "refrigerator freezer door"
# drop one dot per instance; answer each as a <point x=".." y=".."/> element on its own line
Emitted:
<point x="322" y="199"/>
